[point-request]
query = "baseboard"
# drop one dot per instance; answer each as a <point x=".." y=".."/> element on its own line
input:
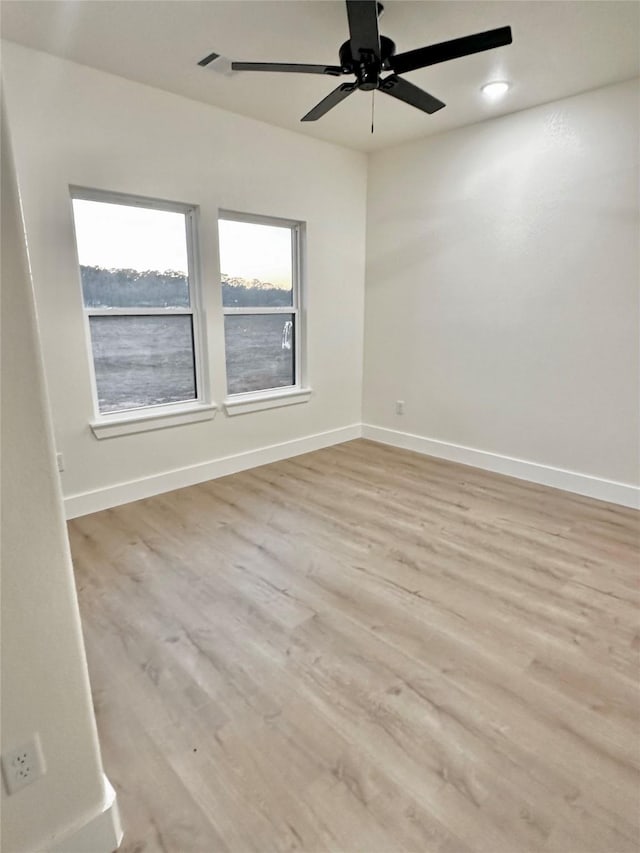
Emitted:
<point x="546" y="475"/>
<point x="101" y="834"/>
<point x="122" y="493"/>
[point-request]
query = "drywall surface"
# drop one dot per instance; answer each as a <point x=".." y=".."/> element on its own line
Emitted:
<point x="45" y="685"/>
<point x="502" y="286"/>
<point x="76" y="126"/>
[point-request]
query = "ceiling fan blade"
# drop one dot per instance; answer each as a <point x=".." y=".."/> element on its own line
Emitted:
<point x="454" y="49"/>
<point x="410" y="94"/>
<point x="363" y="27"/>
<point x="332" y="100"/>
<point x="291" y="67"/>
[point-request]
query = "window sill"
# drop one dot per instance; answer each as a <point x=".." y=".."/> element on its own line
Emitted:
<point x="244" y="403"/>
<point x="110" y="427"/>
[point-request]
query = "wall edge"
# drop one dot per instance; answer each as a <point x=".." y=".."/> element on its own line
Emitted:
<point x="101" y="834"/>
<point x="587" y="485"/>
<point x="146" y="487"/>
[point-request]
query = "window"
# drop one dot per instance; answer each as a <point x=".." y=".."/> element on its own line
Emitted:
<point x="260" y="270"/>
<point x="136" y="271"/>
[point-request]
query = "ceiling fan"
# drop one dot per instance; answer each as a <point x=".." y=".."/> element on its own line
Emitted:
<point x="368" y="55"/>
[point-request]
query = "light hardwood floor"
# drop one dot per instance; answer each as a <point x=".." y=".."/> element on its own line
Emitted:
<point x="367" y="651"/>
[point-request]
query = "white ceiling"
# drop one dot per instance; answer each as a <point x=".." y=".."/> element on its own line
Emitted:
<point x="559" y="49"/>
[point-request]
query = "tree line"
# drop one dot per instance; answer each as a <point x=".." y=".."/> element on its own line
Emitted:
<point x="127" y="288"/>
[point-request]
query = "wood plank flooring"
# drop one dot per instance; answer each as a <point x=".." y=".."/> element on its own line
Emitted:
<point x="363" y="650"/>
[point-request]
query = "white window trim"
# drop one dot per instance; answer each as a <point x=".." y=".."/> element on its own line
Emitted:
<point x="131" y="421"/>
<point x="269" y="398"/>
<point x="257" y="401"/>
<point x="110" y="426"/>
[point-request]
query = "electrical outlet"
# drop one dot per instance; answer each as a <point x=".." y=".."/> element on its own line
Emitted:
<point x="23" y="765"/>
<point x="399" y="407"/>
<point x="60" y="461"/>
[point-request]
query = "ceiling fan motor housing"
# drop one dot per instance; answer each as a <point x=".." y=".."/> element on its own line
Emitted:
<point x="367" y="66"/>
<point x="367" y="55"/>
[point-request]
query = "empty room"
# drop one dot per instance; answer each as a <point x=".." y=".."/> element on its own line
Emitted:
<point x="320" y="426"/>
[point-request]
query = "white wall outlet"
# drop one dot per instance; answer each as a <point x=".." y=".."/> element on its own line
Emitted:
<point x="399" y="407"/>
<point x="60" y="461"/>
<point x="23" y="765"/>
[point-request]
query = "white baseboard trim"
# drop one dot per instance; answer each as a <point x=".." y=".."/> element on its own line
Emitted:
<point x="546" y="475"/>
<point x="101" y="834"/>
<point x="135" y="490"/>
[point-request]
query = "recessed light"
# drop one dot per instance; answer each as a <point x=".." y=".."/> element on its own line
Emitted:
<point x="496" y="89"/>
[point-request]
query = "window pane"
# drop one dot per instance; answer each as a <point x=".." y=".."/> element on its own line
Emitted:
<point x="260" y="351"/>
<point x="142" y="361"/>
<point x="131" y="256"/>
<point x="255" y="264"/>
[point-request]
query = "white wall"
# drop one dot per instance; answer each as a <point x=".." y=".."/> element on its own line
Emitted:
<point x="75" y="125"/>
<point x="45" y="685"/>
<point x="502" y="277"/>
<point x="502" y="287"/>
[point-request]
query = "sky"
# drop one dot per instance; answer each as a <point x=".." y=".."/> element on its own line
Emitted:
<point x="121" y="236"/>
<point x="253" y="251"/>
<point x="140" y="238"/>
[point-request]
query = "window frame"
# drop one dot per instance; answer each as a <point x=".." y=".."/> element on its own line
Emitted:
<point x="155" y="416"/>
<point x="242" y="401"/>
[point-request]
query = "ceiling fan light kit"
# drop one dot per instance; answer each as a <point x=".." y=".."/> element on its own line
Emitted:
<point x="369" y="56"/>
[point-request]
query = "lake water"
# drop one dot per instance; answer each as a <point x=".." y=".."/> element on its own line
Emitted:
<point x="147" y="361"/>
